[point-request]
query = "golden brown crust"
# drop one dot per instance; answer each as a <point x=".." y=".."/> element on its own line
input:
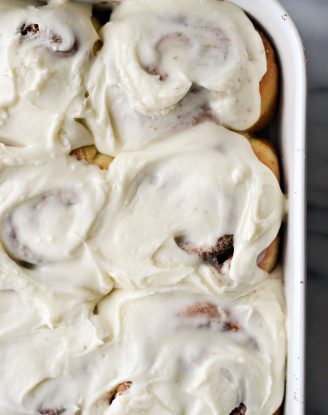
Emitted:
<point x="90" y="155"/>
<point x="102" y="161"/>
<point x="268" y="86"/>
<point x="86" y="153"/>
<point x="266" y="153"/>
<point x="268" y="258"/>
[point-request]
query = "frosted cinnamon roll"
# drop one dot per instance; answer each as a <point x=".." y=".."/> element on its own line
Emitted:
<point x="263" y="150"/>
<point x="45" y="217"/>
<point x="156" y="353"/>
<point x="198" y="202"/>
<point x="36" y="369"/>
<point x="180" y="352"/>
<point x="165" y="64"/>
<point x="43" y="58"/>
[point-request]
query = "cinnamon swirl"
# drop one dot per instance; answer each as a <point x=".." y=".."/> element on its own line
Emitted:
<point x="46" y="215"/>
<point x="166" y="65"/>
<point x="183" y="347"/>
<point x="212" y="207"/>
<point x="43" y="60"/>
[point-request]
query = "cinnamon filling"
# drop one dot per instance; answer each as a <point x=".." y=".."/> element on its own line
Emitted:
<point x="240" y="410"/>
<point x="29" y="30"/>
<point x="155" y="71"/>
<point x="120" y="389"/>
<point x="210" y="310"/>
<point x="52" y="411"/>
<point x="51" y="40"/>
<point x="231" y="326"/>
<point x="19" y="251"/>
<point x="214" y="314"/>
<point x="216" y="256"/>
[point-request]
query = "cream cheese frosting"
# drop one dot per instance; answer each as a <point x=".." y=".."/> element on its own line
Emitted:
<point x="155" y="52"/>
<point x="46" y="214"/>
<point x="43" y="58"/>
<point x="168" y="206"/>
<point x="181" y="195"/>
<point x="175" y="351"/>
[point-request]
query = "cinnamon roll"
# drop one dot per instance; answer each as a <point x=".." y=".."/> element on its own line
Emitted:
<point x="43" y="60"/>
<point x="153" y="352"/>
<point x="212" y="206"/>
<point x="266" y="153"/>
<point x="46" y="215"/>
<point x="167" y="65"/>
<point x="176" y="347"/>
<point x="36" y="369"/>
<point x="223" y="251"/>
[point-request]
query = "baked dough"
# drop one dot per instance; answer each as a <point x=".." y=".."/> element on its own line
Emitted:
<point x="269" y="86"/>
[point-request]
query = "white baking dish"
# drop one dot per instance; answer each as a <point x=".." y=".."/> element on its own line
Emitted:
<point x="290" y="137"/>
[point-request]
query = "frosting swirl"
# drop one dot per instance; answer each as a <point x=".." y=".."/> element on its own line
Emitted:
<point x="162" y="354"/>
<point x="199" y="186"/>
<point x="46" y="214"/>
<point x="155" y="52"/>
<point x="43" y="58"/>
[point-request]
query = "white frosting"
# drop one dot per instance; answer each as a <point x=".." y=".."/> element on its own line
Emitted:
<point x="43" y="57"/>
<point x="183" y="352"/>
<point x="46" y="214"/>
<point x="15" y="313"/>
<point x="181" y="195"/>
<point x="147" y="221"/>
<point x="155" y="51"/>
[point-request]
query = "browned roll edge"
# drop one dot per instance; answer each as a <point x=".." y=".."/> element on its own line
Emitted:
<point x="90" y="155"/>
<point x="266" y="153"/>
<point x="269" y="86"/>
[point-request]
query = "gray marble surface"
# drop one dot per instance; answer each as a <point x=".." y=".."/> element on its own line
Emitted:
<point x="311" y="18"/>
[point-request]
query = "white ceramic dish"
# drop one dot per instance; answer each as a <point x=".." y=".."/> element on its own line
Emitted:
<point x="290" y="136"/>
<point x="291" y="140"/>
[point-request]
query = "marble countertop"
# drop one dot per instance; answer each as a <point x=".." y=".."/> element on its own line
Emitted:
<point x="311" y="18"/>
